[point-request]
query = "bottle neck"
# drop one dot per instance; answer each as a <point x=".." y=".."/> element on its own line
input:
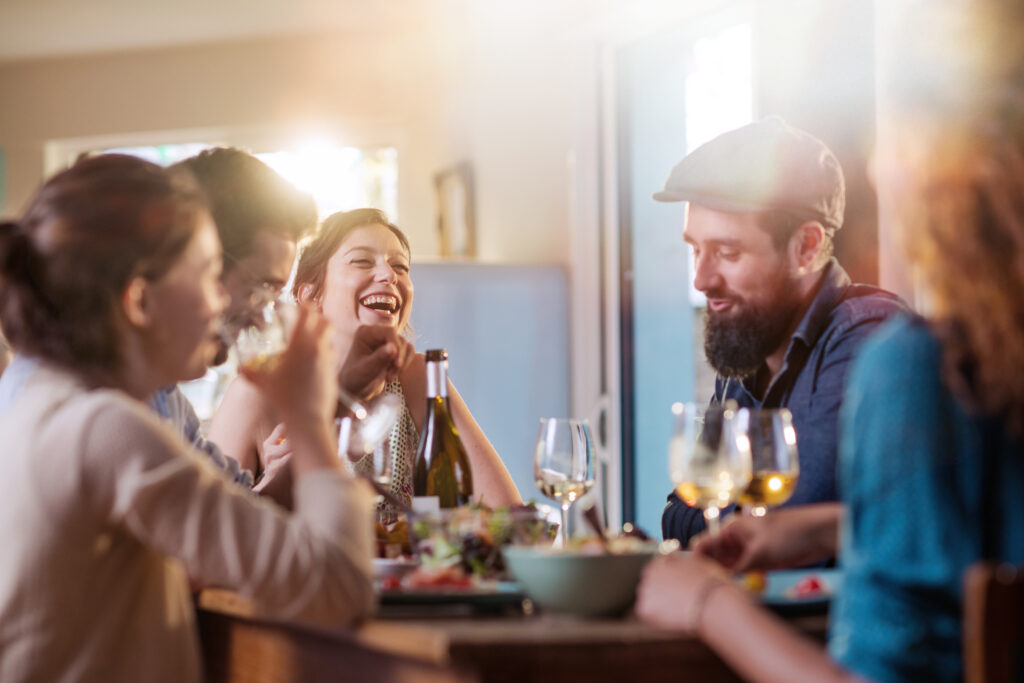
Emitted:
<point x="437" y="379"/>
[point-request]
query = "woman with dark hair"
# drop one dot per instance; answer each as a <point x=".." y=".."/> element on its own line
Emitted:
<point x="356" y="271"/>
<point x="111" y="281"/>
<point x="931" y="467"/>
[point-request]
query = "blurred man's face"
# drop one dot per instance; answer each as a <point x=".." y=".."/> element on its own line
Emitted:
<point x="750" y="288"/>
<point x="262" y="273"/>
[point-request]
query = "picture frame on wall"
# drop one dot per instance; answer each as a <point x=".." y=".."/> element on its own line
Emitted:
<point x="456" y="220"/>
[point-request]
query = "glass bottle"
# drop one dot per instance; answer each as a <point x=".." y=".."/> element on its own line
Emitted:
<point x="442" y="467"/>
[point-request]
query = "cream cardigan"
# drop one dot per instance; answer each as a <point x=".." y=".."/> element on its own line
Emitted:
<point x="107" y="513"/>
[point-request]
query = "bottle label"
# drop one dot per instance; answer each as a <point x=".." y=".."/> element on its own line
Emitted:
<point x="426" y="505"/>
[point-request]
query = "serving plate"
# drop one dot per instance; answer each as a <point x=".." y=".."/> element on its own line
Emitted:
<point x="491" y="597"/>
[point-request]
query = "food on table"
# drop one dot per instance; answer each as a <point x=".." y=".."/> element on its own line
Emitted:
<point x="393" y="539"/>
<point x="622" y="544"/>
<point x="442" y="578"/>
<point x="461" y="547"/>
<point x="809" y="586"/>
<point x="753" y="581"/>
<point x="471" y="537"/>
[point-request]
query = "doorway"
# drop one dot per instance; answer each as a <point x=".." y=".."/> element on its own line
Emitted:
<point x="674" y="90"/>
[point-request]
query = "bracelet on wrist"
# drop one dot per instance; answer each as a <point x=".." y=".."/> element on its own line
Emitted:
<point x="704" y="591"/>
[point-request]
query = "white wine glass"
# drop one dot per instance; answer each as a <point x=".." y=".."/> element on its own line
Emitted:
<point x="259" y="346"/>
<point x="260" y="343"/>
<point x="708" y="459"/>
<point x="775" y="462"/>
<point x="563" y="463"/>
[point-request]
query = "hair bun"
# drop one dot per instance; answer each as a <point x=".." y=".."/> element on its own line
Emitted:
<point x="15" y="251"/>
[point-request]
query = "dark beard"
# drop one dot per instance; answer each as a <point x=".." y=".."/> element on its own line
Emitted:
<point x="737" y="345"/>
<point x="221" y="356"/>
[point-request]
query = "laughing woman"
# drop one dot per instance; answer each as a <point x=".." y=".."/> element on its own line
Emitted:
<point x="111" y="281"/>
<point x="356" y="271"/>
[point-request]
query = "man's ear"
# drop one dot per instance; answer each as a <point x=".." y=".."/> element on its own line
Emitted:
<point x="135" y="302"/>
<point x="806" y="243"/>
<point x="305" y="296"/>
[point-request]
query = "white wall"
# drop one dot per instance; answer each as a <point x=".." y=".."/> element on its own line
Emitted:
<point x="478" y="87"/>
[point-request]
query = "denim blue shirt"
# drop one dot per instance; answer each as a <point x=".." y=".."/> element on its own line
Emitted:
<point x="172" y="405"/>
<point x="810" y="383"/>
<point x="169" y="403"/>
<point x="930" y="487"/>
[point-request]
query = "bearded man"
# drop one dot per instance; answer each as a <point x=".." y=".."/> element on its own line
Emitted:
<point x="783" y="320"/>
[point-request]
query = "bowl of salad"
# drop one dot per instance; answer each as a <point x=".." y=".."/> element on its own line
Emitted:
<point x="471" y="540"/>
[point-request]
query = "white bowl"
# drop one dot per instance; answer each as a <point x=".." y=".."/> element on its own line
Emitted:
<point x="585" y="585"/>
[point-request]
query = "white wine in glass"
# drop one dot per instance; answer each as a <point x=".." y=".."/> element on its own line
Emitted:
<point x="708" y="460"/>
<point x="776" y="466"/>
<point x="259" y="344"/>
<point x="563" y="463"/>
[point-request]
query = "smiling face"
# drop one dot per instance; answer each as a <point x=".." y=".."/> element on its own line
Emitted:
<point x="368" y="281"/>
<point x="263" y="271"/>
<point x="185" y="306"/>
<point x="749" y="284"/>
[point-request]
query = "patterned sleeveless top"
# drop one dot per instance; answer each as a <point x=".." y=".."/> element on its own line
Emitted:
<point x="403" y="442"/>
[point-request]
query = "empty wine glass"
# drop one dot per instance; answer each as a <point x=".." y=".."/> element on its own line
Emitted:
<point x="776" y="465"/>
<point x="708" y="458"/>
<point x="259" y="345"/>
<point x="563" y="463"/>
<point x="373" y="420"/>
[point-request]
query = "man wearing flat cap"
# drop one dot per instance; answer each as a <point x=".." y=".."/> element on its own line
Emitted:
<point x="783" y="320"/>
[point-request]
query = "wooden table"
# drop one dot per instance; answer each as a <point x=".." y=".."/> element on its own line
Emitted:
<point x="242" y="647"/>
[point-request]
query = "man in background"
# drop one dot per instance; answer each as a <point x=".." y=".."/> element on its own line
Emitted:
<point x="783" y="319"/>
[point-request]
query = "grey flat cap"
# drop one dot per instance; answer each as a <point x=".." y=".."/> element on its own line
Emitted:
<point x="765" y="165"/>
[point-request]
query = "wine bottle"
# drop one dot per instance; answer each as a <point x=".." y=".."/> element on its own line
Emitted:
<point x="442" y="467"/>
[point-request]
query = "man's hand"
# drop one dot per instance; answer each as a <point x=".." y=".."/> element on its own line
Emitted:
<point x="276" y="482"/>
<point x="790" y="537"/>
<point x="275" y="452"/>
<point x="378" y="354"/>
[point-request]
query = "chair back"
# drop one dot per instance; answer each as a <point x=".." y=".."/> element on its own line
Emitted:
<point x="994" y="624"/>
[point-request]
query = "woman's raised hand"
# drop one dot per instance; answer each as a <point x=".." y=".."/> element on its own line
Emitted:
<point x="378" y="353"/>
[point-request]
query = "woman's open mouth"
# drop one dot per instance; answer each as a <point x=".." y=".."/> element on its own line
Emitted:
<point x="386" y="305"/>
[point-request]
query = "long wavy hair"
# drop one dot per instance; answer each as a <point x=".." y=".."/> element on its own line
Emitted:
<point x="960" y="121"/>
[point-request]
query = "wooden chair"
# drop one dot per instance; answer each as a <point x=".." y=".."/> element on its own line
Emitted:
<point x="993" y="624"/>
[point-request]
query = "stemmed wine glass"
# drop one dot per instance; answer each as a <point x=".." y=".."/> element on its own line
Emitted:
<point x="260" y="344"/>
<point x="708" y="458"/>
<point x="563" y="463"/>
<point x="776" y="465"/>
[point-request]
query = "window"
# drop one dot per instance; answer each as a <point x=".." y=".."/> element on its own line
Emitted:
<point x="339" y="177"/>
